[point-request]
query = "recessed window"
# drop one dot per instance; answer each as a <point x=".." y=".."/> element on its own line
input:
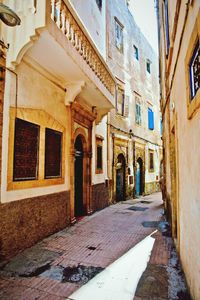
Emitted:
<point x="26" y="146"/>
<point x="120" y="101"/>
<point x="99" y="4"/>
<point x="151" y="161"/>
<point x="118" y="35"/>
<point x="136" y="52"/>
<point x="138" y="118"/>
<point x="148" y="66"/>
<point x="53" y="144"/>
<point x="194" y="68"/>
<point x="99" y="155"/>
<point x="150" y="119"/>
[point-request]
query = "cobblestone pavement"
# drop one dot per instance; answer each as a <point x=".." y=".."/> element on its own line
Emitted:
<point x="60" y="264"/>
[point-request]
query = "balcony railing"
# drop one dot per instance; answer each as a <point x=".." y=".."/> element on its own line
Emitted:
<point x="66" y="22"/>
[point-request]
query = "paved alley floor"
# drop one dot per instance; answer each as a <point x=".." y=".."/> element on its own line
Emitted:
<point x="72" y="262"/>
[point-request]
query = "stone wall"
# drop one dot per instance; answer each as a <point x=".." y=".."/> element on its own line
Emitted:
<point x="100" y="196"/>
<point x="151" y="187"/>
<point x="27" y="221"/>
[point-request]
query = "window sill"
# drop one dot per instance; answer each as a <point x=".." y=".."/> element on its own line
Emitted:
<point x="20" y="185"/>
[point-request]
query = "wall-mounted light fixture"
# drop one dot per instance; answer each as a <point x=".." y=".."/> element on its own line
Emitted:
<point x="8" y="16"/>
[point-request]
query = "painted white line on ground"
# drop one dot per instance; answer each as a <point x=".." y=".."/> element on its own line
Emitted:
<point x="119" y="280"/>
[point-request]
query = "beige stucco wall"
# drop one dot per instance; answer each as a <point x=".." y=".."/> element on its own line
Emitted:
<point x="35" y="92"/>
<point x="187" y="144"/>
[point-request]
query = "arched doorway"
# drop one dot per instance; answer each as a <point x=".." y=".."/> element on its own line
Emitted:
<point x="139" y="177"/>
<point x="78" y="178"/>
<point x="120" y="178"/>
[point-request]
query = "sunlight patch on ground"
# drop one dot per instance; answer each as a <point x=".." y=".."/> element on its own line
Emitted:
<point x="119" y="280"/>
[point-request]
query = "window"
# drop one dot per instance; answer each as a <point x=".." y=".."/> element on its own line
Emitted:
<point x="167" y="27"/>
<point x="120" y="102"/>
<point x="99" y="155"/>
<point x="26" y="145"/>
<point x="118" y="35"/>
<point x="150" y="119"/>
<point x="53" y="144"/>
<point x="136" y="52"/>
<point x="148" y="66"/>
<point x="194" y="69"/>
<point x="151" y="161"/>
<point x="138" y="119"/>
<point x="99" y="4"/>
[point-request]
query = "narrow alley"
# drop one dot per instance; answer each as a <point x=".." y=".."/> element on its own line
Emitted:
<point x="59" y="265"/>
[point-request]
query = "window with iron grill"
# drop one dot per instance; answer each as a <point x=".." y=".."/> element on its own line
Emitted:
<point x="194" y="68"/>
<point x="26" y="146"/>
<point x="53" y="156"/>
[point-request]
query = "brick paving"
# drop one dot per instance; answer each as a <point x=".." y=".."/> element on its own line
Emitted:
<point x="96" y="240"/>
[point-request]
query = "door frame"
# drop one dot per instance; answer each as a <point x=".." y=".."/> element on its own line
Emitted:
<point x="124" y="176"/>
<point x="141" y="163"/>
<point x="81" y="124"/>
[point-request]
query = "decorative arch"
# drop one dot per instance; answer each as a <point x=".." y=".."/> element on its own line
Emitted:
<point x="82" y="133"/>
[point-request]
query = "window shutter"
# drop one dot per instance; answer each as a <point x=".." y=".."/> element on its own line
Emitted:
<point x="150" y="119"/>
<point x="25" y="150"/>
<point x="126" y="106"/>
<point x="53" y="144"/>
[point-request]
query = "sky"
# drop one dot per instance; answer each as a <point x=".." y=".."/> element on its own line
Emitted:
<point x="145" y="17"/>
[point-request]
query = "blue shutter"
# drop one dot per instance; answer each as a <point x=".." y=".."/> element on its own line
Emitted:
<point x="150" y="119"/>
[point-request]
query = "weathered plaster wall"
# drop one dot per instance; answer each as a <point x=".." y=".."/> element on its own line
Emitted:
<point x="187" y="152"/>
<point x="189" y="162"/>
<point x="94" y="21"/>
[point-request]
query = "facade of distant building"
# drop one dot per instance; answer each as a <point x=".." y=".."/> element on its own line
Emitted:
<point x="135" y="147"/>
<point x="179" y="31"/>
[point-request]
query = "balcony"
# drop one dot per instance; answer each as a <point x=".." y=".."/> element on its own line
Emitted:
<point x="53" y="38"/>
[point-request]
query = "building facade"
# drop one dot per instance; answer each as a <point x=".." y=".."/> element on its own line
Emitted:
<point x="179" y="33"/>
<point x="135" y="147"/>
<point x="58" y="89"/>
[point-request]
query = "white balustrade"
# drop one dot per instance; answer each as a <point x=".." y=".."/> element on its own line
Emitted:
<point x="61" y="15"/>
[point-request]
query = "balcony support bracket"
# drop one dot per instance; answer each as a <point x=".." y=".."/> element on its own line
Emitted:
<point x="72" y="91"/>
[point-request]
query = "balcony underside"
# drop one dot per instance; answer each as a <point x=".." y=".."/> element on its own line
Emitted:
<point x="56" y="55"/>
